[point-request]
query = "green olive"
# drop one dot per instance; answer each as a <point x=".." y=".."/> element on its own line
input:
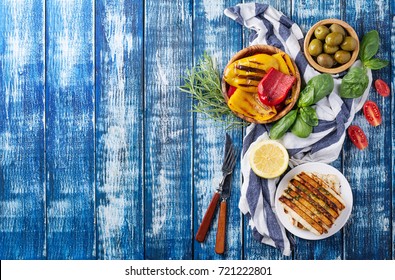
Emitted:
<point x="330" y="49"/>
<point x="325" y="60"/>
<point x="342" y="57"/>
<point x="349" y="44"/>
<point x="315" y="47"/>
<point x="337" y="28"/>
<point x="321" y="31"/>
<point x="334" y="39"/>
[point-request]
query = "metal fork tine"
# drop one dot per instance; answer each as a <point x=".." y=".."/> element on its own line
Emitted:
<point x="227" y="155"/>
<point x="228" y="158"/>
<point x="231" y="160"/>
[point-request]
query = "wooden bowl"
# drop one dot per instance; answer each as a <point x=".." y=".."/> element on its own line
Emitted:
<point x="263" y="49"/>
<point x="310" y="35"/>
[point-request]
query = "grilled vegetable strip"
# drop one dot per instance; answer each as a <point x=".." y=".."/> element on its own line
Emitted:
<point x="246" y="73"/>
<point x="324" y="189"/>
<point x="299" y="185"/>
<point x="275" y="87"/>
<point x="313" y="212"/>
<point x="317" y="193"/>
<point x="282" y="64"/>
<point x="303" y="218"/>
<point x="246" y="104"/>
<point x="298" y="220"/>
<point x="289" y="63"/>
<point x="312" y="201"/>
<point x="306" y="211"/>
<point x="341" y="203"/>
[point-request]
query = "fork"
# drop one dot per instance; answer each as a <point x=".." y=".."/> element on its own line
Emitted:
<point x="227" y="169"/>
<point x="228" y="165"/>
<point x="221" y="233"/>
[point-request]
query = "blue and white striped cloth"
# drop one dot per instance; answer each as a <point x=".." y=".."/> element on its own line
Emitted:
<point x="270" y="27"/>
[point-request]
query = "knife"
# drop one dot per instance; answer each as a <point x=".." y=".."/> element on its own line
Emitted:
<point x="208" y="216"/>
<point x="221" y="231"/>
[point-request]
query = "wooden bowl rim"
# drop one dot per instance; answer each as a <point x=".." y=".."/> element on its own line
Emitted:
<point x="255" y="49"/>
<point x="341" y="68"/>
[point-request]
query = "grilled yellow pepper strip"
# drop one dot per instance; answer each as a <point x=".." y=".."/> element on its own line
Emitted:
<point x="246" y="104"/>
<point x="282" y="64"/>
<point x="286" y="67"/>
<point x="289" y="63"/>
<point x="246" y="73"/>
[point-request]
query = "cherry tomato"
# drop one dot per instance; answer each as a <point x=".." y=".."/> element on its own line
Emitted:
<point x="357" y="136"/>
<point x="382" y="88"/>
<point x="372" y="113"/>
<point x="231" y="90"/>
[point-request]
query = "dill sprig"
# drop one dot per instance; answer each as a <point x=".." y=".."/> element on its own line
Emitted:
<point x="203" y="84"/>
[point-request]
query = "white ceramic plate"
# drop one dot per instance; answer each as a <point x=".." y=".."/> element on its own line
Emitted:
<point x="345" y="190"/>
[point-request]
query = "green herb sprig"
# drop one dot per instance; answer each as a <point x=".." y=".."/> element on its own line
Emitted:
<point x="203" y="83"/>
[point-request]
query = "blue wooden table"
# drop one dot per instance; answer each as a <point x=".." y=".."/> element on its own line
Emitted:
<point x="101" y="158"/>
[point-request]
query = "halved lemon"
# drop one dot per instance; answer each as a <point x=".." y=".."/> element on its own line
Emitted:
<point x="268" y="159"/>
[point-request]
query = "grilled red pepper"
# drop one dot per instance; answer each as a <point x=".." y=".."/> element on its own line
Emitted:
<point x="274" y="87"/>
<point x="231" y="90"/>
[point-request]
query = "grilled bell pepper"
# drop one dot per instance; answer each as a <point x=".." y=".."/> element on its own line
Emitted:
<point x="246" y="104"/>
<point x="274" y="87"/>
<point x="283" y="67"/>
<point x="289" y="64"/>
<point x="246" y="73"/>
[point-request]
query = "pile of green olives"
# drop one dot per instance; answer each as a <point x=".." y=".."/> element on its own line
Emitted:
<point x="331" y="45"/>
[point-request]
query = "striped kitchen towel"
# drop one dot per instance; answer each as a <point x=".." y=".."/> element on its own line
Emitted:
<point x="270" y="27"/>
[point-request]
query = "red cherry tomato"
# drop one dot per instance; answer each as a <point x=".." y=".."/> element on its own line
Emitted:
<point x="382" y="88"/>
<point x="357" y="136"/>
<point x="231" y="90"/>
<point x="372" y="113"/>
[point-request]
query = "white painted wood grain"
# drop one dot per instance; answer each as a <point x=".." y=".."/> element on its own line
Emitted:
<point x="70" y="129"/>
<point x="119" y="153"/>
<point x="22" y="228"/>
<point x="168" y="135"/>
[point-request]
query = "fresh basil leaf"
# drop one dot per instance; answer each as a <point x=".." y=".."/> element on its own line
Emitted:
<point x="317" y="88"/>
<point x="369" y="45"/>
<point x="282" y="125"/>
<point x="323" y="85"/>
<point x="376" y="63"/>
<point x="309" y="115"/>
<point x="306" y="97"/>
<point x="354" y="83"/>
<point x="300" y="128"/>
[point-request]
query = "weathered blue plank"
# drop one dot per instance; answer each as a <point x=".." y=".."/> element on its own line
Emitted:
<point x="168" y="131"/>
<point x="119" y="107"/>
<point x="22" y="216"/>
<point x="368" y="235"/>
<point x="70" y="129"/>
<point x="253" y="250"/>
<point x="221" y="38"/>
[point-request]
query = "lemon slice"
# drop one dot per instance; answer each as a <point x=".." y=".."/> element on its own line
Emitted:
<point x="268" y="159"/>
